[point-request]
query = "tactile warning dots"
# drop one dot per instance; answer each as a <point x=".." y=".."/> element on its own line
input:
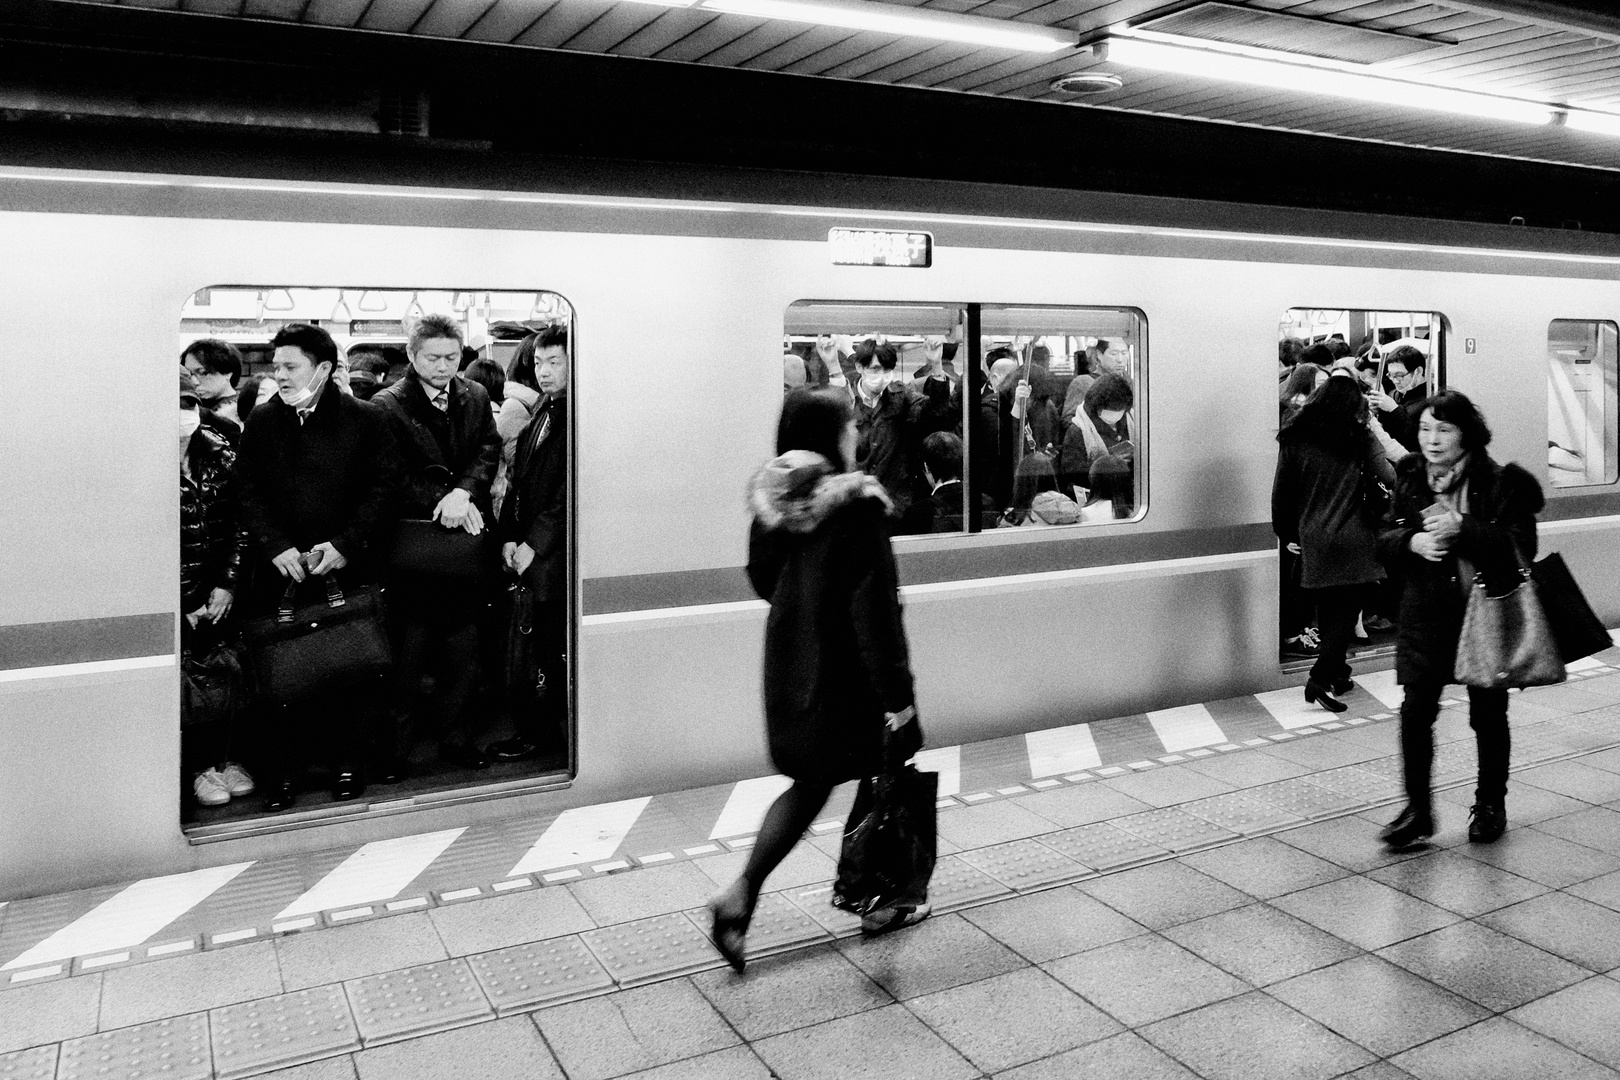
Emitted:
<point x="1241" y="814"/>
<point x="1306" y="800"/>
<point x="416" y="1001"/>
<point x="816" y="902"/>
<point x="277" y="1032"/>
<point x="1173" y="829"/>
<point x="955" y="884"/>
<point x="1025" y="864"/>
<point x="777" y="926"/>
<point x="550" y="972"/>
<point x="36" y="1064"/>
<point x="174" y="1049"/>
<point x="1103" y="847"/>
<point x="1384" y="766"/>
<point x="1357" y="783"/>
<point x="650" y="949"/>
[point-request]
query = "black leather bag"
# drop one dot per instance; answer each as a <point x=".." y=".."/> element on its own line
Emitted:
<point x="1575" y="626"/>
<point x="308" y="648"/>
<point x="426" y="548"/>
<point x="522" y="662"/>
<point x="210" y="685"/>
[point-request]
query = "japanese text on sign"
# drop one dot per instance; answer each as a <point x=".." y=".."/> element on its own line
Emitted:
<point x="873" y="247"/>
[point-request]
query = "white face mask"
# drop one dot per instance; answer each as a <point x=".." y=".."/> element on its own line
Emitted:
<point x="299" y="398"/>
<point x="190" y="421"/>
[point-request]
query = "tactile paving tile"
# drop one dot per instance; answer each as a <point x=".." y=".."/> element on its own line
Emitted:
<point x="416" y="1001"/>
<point x="1455" y="761"/>
<point x="1102" y="847"/>
<point x="526" y="977"/>
<point x="277" y="1032"/>
<point x="1241" y="814"/>
<point x="777" y="925"/>
<point x="1025" y="864"/>
<point x="1357" y="783"/>
<point x="955" y="884"/>
<point x="816" y="902"/>
<point x="650" y="949"/>
<point x="173" y="1049"/>
<point x="1173" y="829"/>
<point x="36" y="1064"/>
<point x="1307" y="800"/>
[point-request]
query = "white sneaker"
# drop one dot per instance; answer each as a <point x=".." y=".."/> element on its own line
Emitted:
<point x="210" y="788"/>
<point x="236" y="779"/>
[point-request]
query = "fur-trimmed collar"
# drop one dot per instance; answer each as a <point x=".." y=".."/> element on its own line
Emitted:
<point x="799" y="490"/>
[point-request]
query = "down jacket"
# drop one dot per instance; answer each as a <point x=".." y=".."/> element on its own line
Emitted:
<point x="211" y="535"/>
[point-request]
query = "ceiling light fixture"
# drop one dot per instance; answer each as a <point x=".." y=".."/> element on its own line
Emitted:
<point x="1283" y="71"/>
<point x="1600" y="123"/>
<point x="905" y="22"/>
<point x="1087" y="82"/>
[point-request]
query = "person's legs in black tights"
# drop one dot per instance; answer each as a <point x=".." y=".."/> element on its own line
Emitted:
<point x="1487" y="715"/>
<point x="1418" y="711"/>
<point x="785" y="823"/>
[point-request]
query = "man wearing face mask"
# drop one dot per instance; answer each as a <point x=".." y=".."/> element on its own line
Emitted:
<point x="891" y="421"/>
<point x="318" y="471"/>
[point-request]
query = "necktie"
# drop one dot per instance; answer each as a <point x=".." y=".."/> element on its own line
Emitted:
<point x="441" y="401"/>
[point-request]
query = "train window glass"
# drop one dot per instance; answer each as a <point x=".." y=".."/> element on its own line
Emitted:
<point x="421" y="508"/>
<point x="1583" y="423"/>
<point x="980" y="416"/>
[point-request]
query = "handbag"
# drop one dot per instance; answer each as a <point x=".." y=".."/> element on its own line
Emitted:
<point x="889" y="849"/>
<point x="521" y="664"/>
<point x="424" y="547"/>
<point x="305" y="649"/>
<point x="1505" y="640"/>
<point x="210" y="685"/>
<point x="1576" y="628"/>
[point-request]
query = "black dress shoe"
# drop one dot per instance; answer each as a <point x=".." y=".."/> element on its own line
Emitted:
<point x="1487" y="823"/>
<point x="463" y="756"/>
<point x="279" y="795"/>
<point x="347" y="786"/>
<point x="1412" y="828"/>
<point x="515" y="749"/>
<point x="1318" y="694"/>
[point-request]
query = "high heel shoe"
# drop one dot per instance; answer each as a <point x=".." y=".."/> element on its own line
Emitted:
<point x="730" y="928"/>
<point x="1317" y="694"/>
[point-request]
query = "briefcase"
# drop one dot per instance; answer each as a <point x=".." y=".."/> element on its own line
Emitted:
<point x="307" y="648"/>
<point x="426" y="548"/>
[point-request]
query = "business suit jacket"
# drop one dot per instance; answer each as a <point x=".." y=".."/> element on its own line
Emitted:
<point x="536" y="508"/>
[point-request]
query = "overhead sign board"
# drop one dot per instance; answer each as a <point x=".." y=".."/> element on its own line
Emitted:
<point x="879" y="247"/>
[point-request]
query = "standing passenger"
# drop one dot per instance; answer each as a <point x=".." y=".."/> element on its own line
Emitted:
<point x="1452" y="502"/>
<point x="819" y="554"/>
<point x="217" y="367"/>
<point x="892" y="420"/>
<point x="317" y="471"/>
<point x="534" y="533"/>
<point x="444" y="433"/>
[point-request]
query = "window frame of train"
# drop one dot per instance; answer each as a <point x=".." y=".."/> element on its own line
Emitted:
<point x="1573" y="344"/>
<point x="978" y="329"/>
<point x="381" y="317"/>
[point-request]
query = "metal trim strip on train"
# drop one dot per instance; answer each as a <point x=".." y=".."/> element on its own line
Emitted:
<point x="680" y="307"/>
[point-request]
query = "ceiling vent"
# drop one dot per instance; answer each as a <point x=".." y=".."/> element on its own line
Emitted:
<point x="402" y="111"/>
<point x="1292" y="33"/>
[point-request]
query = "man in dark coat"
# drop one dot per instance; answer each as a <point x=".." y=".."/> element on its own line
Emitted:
<point x="890" y="421"/>
<point x="318" y="474"/>
<point x="448" y="448"/>
<point x="534" y="545"/>
<point x="942" y="468"/>
<point x="1397" y="412"/>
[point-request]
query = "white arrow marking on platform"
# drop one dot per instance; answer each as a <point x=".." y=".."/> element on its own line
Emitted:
<point x="1382" y="685"/>
<point x="1186" y="728"/>
<point x="1614" y="635"/>
<point x="746" y="805"/>
<point x="131" y="916"/>
<point x="376" y="872"/>
<point x="584" y="834"/>
<point x="1585" y="663"/>
<point x="1061" y="750"/>
<point x="947" y="762"/>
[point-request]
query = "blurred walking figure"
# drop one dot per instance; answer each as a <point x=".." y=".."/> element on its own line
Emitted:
<point x="838" y="688"/>
<point x="1324" y="508"/>
<point x="1451" y="502"/>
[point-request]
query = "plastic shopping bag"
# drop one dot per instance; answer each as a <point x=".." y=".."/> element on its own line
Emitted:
<point x="888" y="853"/>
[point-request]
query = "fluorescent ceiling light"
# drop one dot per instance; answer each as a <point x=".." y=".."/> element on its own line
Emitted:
<point x="1601" y="123"/>
<point x="905" y="22"/>
<point x="1337" y="80"/>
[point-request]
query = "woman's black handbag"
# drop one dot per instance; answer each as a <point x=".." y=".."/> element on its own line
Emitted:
<point x="889" y="842"/>
<point x="426" y="548"/>
<point x="210" y="685"/>
<point x="305" y="649"/>
<point x="1577" y="629"/>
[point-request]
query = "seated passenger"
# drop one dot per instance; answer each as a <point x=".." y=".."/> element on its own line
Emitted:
<point x="942" y="468"/>
<point x="891" y="422"/>
<point x="444" y="433"/>
<point x="317" y="469"/>
<point x="1099" y="450"/>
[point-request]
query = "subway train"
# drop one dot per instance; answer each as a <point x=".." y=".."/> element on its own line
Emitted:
<point x="681" y="310"/>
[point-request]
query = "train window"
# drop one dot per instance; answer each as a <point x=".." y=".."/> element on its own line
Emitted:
<point x="410" y="521"/>
<point x="980" y="416"/>
<point x="1582" y="419"/>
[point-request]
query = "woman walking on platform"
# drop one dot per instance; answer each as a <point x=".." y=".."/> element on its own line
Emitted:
<point x="838" y="688"/>
<point x="1452" y="502"/>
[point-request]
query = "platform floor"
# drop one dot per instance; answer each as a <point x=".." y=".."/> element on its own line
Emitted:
<point x="1206" y="909"/>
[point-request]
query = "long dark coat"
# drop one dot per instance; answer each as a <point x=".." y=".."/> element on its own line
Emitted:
<point x="536" y="508"/>
<point x="1502" y="503"/>
<point x="835" y="650"/>
<point x="1317" y="503"/>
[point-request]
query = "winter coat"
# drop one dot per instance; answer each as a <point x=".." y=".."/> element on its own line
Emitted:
<point x="439" y="451"/>
<point x="986" y="435"/>
<point x="1502" y="502"/>
<point x="211" y="535"/>
<point x="1318" y="501"/>
<point x="889" y="438"/>
<point x="835" y="648"/>
<point x="536" y="508"/>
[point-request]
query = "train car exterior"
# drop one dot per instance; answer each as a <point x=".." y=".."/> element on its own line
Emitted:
<point x="680" y="309"/>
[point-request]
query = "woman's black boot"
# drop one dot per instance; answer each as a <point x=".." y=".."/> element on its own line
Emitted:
<point x="1412" y="828"/>
<point x="1487" y="822"/>
<point x="1317" y="694"/>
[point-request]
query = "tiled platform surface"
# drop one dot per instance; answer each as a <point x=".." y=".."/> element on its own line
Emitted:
<point x="1227" y="914"/>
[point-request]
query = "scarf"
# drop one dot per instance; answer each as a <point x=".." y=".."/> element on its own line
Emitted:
<point x="1448" y="484"/>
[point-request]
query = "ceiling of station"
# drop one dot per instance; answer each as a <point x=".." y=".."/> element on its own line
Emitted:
<point x="1522" y="48"/>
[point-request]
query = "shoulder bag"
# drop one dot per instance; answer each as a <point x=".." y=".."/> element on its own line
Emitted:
<point x="1506" y="641"/>
<point x="305" y="649"/>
